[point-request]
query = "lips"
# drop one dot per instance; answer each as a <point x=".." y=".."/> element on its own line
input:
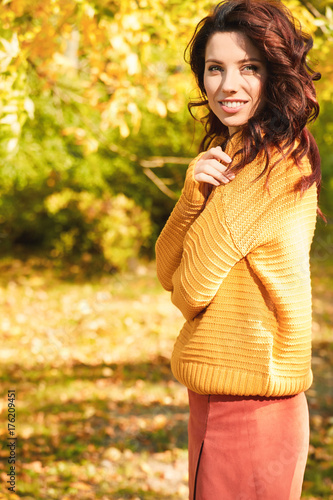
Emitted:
<point x="232" y="106"/>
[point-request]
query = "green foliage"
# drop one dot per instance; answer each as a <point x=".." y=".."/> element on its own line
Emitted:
<point x="113" y="228"/>
<point x="15" y="105"/>
<point x="323" y="132"/>
<point x="90" y="94"/>
<point x="76" y="224"/>
<point x="51" y="160"/>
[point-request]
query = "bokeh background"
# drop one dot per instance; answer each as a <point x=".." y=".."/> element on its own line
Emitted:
<point x="95" y="137"/>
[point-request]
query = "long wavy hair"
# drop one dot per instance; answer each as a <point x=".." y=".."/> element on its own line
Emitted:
<point x="289" y="94"/>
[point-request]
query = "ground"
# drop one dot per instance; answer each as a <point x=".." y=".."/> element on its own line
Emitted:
<point x="98" y="412"/>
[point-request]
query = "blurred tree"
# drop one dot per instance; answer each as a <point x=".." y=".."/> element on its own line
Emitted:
<point x="93" y="98"/>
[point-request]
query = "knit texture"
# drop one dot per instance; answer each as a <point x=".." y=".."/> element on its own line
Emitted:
<point x="237" y="266"/>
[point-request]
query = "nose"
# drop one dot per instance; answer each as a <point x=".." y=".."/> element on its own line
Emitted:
<point x="230" y="81"/>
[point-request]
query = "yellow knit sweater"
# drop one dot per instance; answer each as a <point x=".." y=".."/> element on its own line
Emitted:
<point x="237" y="266"/>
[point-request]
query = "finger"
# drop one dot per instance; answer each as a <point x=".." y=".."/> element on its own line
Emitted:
<point x="216" y="179"/>
<point x="208" y="179"/>
<point x="217" y="174"/>
<point x="221" y="177"/>
<point x="219" y="154"/>
<point x="213" y="167"/>
<point x="220" y="167"/>
<point x="205" y="163"/>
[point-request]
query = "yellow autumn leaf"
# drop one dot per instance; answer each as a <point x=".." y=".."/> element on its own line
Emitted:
<point x="12" y="144"/>
<point x="131" y="22"/>
<point x="135" y="115"/>
<point x="9" y="119"/>
<point x="124" y="129"/>
<point x="133" y="64"/>
<point x="157" y="106"/>
<point x="11" y="50"/>
<point x="29" y="107"/>
<point x="119" y="44"/>
<point x="174" y="106"/>
<point x="90" y="145"/>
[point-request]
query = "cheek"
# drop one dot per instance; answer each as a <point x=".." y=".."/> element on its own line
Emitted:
<point x="256" y="93"/>
<point x="259" y="91"/>
<point x="206" y="86"/>
<point x="211" y="86"/>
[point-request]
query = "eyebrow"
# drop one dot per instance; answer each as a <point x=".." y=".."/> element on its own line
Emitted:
<point x="251" y="59"/>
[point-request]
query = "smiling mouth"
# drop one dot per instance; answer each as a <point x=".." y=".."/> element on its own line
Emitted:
<point x="233" y="104"/>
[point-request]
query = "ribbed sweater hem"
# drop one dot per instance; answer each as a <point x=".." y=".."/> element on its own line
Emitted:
<point x="212" y="379"/>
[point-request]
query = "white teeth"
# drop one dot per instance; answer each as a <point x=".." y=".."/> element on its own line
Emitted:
<point x="233" y="104"/>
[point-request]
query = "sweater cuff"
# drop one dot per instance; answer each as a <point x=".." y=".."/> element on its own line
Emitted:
<point x="194" y="191"/>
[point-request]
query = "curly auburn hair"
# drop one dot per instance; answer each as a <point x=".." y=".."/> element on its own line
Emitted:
<point x="289" y="94"/>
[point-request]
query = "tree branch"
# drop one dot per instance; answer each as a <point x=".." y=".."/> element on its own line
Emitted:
<point x="159" y="183"/>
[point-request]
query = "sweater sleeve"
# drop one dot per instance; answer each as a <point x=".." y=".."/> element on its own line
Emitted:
<point x="209" y="254"/>
<point x="169" y="246"/>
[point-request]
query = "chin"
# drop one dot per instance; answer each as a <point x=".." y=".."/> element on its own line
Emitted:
<point x="234" y="124"/>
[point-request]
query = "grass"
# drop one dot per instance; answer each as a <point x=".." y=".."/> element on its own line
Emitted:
<point x="99" y="415"/>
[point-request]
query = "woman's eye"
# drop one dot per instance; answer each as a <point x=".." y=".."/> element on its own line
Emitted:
<point x="251" y="68"/>
<point x="214" y="68"/>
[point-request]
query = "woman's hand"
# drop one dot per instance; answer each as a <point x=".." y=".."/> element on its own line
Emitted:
<point x="209" y="168"/>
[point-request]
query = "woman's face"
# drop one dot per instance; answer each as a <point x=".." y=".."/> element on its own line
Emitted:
<point x="234" y="77"/>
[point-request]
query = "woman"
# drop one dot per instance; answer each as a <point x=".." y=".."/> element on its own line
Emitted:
<point x="235" y="256"/>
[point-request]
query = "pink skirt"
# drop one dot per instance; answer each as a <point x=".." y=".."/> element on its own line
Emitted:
<point x="247" y="448"/>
